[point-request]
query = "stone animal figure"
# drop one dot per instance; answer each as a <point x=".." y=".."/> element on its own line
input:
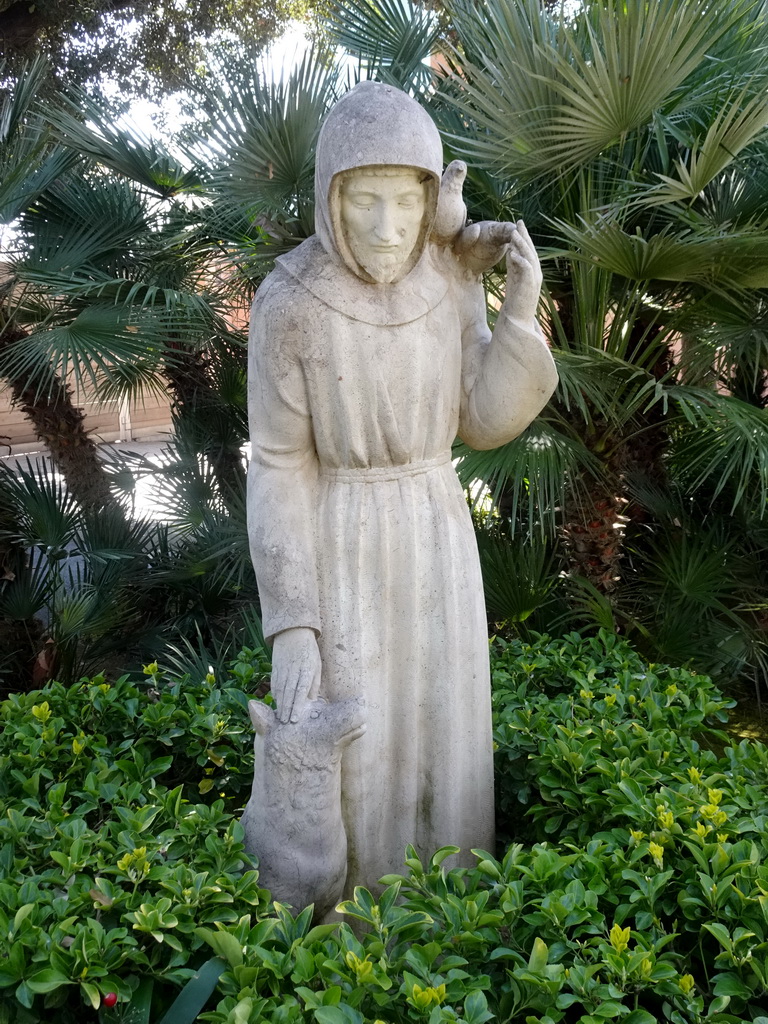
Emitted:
<point x="293" y="821"/>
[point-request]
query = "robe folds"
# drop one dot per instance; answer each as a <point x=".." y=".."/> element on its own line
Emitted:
<point x="360" y="529"/>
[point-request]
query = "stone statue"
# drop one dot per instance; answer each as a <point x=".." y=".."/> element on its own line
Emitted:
<point x="369" y="352"/>
<point x="293" y="818"/>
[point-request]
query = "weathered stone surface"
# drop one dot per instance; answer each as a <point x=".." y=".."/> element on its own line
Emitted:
<point x="293" y="819"/>
<point x="370" y="351"/>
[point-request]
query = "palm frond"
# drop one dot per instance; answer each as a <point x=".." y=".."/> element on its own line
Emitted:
<point x="30" y="591"/>
<point x="29" y="161"/>
<point x="186" y="488"/>
<point x="534" y="471"/>
<point x="721" y="442"/>
<point x="726" y="341"/>
<point x="44" y="514"/>
<point x="27" y="168"/>
<point x="667" y="255"/>
<point x="107" y="539"/>
<point x="393" y="38"/>
<point x="253" y="633"/>
<point x="16" y="103"/>
<point x="734" y="127"/>
<point x="595" y="383"/>
<point x="547" y="98"/>
<point x="82" y="612"/>
<point x="519" y="575"/>
<point x="589" y="608"/>
<point x="87" y="129"/>
<point x="736" y="197"/>
<point x="80" y="222"/>
<point x="250" y="242"/>
<point x="192" y="310"/>
<point x="692" y="593"/>
<point x="264" y="133"/>
<point x="672" y="254"/>
<point x="696" y="570"/>
<point x="99" y="346"/>
<point x="188" y="660"/>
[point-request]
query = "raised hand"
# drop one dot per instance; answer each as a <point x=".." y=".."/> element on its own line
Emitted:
<point x="295" y="671"/>
<point x="479" y="247"/>
<point x="523" y="275"/>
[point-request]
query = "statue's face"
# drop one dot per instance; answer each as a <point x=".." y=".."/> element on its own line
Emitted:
<point x="381" y="214"/>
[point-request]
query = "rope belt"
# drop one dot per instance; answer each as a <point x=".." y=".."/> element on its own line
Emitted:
<point x="376" y="474"/>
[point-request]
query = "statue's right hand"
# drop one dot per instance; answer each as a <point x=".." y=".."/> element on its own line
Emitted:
<point x="295" y="671"/>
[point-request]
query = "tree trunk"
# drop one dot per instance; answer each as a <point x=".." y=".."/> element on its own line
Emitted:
<point x="193" y="397"/>
<point x="60" y="426"/>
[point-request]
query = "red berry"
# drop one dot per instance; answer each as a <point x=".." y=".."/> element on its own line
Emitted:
<point x="110" y="999"/>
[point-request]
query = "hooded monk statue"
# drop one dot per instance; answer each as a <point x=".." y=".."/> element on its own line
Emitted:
<point x="370" y="352"/>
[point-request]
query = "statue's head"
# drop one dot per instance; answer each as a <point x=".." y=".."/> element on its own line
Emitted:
<point x="379" y="160"/>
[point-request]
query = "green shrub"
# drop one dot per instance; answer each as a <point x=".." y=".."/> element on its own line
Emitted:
<point x="542" y="936"/>
<point x="646" y="901"/>
<point x="588" y="735"/>
<point x="188" y="733"/>
<point x="109" y="858"/>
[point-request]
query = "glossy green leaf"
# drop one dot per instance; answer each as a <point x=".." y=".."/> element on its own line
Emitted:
<point x="195" y="994"/>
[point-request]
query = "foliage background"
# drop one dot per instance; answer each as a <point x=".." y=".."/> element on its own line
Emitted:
<point x="632" y="139"/>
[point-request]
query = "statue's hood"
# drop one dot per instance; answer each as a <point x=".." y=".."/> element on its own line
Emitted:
<point x="372" y="125"/>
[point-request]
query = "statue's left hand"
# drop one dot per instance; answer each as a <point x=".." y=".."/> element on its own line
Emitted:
<point x="481" y="246"/>
<point x="524" y="275"/>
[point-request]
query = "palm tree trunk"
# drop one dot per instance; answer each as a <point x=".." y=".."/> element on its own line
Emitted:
<point x="193" y="394"/>
<point x="59" y="424"/>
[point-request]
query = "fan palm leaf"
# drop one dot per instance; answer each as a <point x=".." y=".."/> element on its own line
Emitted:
<point x="728" y="257"/>
<point x="392" y="38"/>
<point x="29" y="161"/>
<point x="194" y="311"/>
<point x="29" y="592"/>
<point x="44" y="514"/>
<point x="664" y="256"/>
<point x="84" y="127"/>
<point x="534" y="471"/>
<point x="721" y="442"/>
<point x="80" y="222"/>
<point x="597" y="384"/>
<point x="100" y="345"/>
<point x="263" y="138"/>
<point x="726" y="342"/>
<point x="27" y="169"/>
<point x="693" y="593"/>
<point x="550" y="98"/>
<point x="518" y="576"/>
<point x="737" y="196"/>
<point x="734" y="128"/>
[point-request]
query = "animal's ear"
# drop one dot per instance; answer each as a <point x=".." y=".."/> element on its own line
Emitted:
<point x="262" y="716"/>
<point x="349" y="737"/>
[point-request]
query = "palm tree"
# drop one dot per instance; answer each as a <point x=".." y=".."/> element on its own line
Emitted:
<point x="161" y="261"/>
<point x="30" y="164"/>
<point x="113" y="293"/>
<point x="135" y="270"/>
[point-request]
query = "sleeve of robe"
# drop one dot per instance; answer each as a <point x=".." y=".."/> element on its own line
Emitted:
<point x="507" y="377"/>
<point x="282" y="476"/>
